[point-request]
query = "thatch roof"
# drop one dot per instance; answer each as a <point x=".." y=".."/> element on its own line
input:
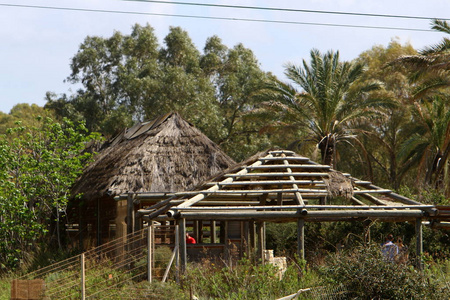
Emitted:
<point x="167" y="154"/>
<point x="288" y="186"/>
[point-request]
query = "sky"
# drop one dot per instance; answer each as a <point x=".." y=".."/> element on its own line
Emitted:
<point x="39" y="37"/>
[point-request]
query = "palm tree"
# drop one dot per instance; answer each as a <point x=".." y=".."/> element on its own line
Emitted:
<point x="328" y="104"/>
<point x="430" y="69"/>
<point x="429" y="142"/>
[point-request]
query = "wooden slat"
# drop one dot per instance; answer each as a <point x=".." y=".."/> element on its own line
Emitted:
<point x="297" y="158"/>
<point x="297" y="194"/>
<point x="280" y="174"/>
<point x="303" y="166"/>
<point x="380" y="191"/>
<point x="274" y="182"/>
<point x="201" y="196"/>
<point x="266" y="191"/>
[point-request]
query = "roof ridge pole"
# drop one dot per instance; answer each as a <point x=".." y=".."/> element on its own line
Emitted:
<point x="297" y="194"/>
<point x="202" y="195"/>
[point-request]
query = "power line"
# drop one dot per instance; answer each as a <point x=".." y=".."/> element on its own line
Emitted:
<point x="289" y="10"/>
<point x="215" y="18"/>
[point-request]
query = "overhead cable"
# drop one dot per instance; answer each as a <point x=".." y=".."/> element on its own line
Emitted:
<point x="215" y="18"/>
<point x="289" y="10"/>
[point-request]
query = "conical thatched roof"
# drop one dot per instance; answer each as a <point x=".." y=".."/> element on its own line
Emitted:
<point x="167" y="154"/>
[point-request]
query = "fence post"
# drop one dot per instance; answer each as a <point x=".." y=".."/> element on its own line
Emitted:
<point x="83" y="281"/>
<point x="177" y="254"/>
<point x="149" y="251"/>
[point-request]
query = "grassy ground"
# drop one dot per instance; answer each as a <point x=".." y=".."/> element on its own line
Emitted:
<point x="361" y="271"/>
<point x="5" y="288"/>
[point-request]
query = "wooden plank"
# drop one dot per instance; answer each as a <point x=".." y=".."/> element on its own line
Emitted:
<point x="302" y="166"/>
<point x="267" y="191"/>
<point x="378" y="191"/>
<point x="297" y="194"/>
<point x="297" y="158"/>
<point x="280" y="174"/>
<point x="273" y="182"/>
<point x="201" y="196"/>
<point x="279" y="215"/>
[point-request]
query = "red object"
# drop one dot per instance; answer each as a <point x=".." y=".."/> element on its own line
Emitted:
<point x="190" y="240"/>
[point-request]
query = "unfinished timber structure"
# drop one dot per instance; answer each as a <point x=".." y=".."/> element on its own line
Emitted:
<point x="230" y="210"/>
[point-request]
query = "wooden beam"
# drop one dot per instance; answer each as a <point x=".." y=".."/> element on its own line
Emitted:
<point x="297" y="194"/>
<point x="213" y="232"/>
<point x="260" y="234"/>
<point x="419" y="243"/>
<point x="202" y="196"/>
<point x="280" y="174"/>
<point x="266" y="191"/>
<point x="302" y="166"/>
<point x="372" y="199"/>
<point x="273" y="182"/>
<point x="301" y="238"/>
<point x="177" y="253"/>
<point x="182" y="241"/>
<point x="264" y="215"/>
<point x="130" y="213"/>
<point x="356" y="201"/>
<point x="296" y="158"/>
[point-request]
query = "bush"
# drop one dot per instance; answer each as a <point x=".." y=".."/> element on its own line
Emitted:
<point x="366" y="275"/>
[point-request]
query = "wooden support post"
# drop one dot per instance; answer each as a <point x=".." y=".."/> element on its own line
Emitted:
<point x="252" y="230"/>
<point x="183" y="249"/>
<point x="247" y="238"/>
<point x="130" y="213"/>
<point x="213" y="232"/>
<point x="301" y="238"/>
<point x="260" y="233"/>
<point x="419" y="243"/>
<point x="149" y="251"/>
<point x="137" y="222"/>
<point x="83" y="280"/>
<point x="225" y="239"/>
<point x="177" y="253"/>
<point x="195" y="232"/>
<point x="99" y="230"/>
<point x="200" y="232"/>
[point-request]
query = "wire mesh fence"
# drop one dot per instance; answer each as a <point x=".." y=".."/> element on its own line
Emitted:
<point x="112" y="270"/>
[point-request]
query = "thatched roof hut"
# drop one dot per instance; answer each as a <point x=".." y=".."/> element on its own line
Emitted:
<point x="165" y="155"/>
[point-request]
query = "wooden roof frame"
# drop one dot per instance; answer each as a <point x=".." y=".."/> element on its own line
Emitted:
<point x="282" y="186"/>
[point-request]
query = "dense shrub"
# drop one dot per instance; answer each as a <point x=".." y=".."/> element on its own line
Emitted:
<point x="366" y="275"/>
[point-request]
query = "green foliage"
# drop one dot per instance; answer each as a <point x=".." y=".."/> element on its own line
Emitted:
<point x="245" y="281"/>
<point x="329" y="103"/>
<point x="366" y="275"/>
<point x="38" y="166"/>
<point x="25" y="113"/>
<point x="130" y="78"/>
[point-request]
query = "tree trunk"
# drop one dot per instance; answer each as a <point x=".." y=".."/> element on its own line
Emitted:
<point x="327" y="148"/>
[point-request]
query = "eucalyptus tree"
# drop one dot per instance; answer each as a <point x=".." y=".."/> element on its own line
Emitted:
<point x="237" y="78"/>
<point x="328" y="104"/>
<point x="384" y="134"/>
